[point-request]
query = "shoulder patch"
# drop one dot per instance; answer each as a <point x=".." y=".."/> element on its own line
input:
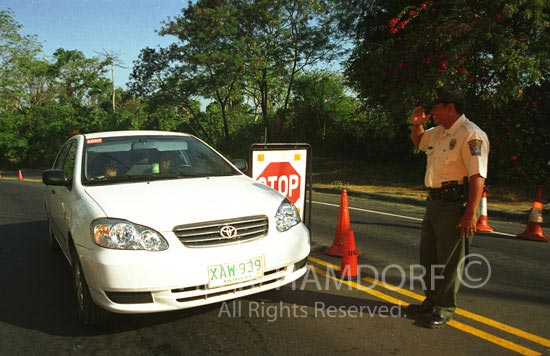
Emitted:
<point x="475" y="147"/>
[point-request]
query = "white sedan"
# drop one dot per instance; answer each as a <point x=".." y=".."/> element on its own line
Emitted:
<point x="155" y="221"/>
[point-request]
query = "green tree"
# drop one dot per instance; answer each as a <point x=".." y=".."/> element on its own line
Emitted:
<point x="79" y="81"/>
<point x="282" y="39"/>
<point x="43" y="101"/>
<point x="495" y="51"/>
<point x="228" y="49"/>
<point x="17" y="84"/>
<point x="321" y="108"/>
<point x="209" y="49"/>
<point x="17" y="56"/>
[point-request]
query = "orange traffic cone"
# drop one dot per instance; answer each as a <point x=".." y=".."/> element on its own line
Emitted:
<point x="533" y="231"/>
<point x="349" y="266"/>
<point x="483" y="221"/>
<point x="20" y="175"/>
<point x="342" y="227"/>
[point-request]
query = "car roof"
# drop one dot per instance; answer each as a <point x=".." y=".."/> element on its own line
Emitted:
<point x="132" y="133"/>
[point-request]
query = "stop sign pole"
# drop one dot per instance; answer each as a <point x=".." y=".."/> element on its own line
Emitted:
<point x="285" y="167"/>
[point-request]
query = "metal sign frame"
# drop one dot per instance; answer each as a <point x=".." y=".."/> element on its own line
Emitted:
<point x="308" y="178"/>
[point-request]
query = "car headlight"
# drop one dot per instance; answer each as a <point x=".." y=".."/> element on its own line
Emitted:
<point x="124" y="235"/>
<point x="287" y="216"/>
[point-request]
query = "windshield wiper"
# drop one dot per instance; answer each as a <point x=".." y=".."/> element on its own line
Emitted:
<point x="118" y="179"/>
<point x="181" y="175"/>
<point x="157" y="176"/>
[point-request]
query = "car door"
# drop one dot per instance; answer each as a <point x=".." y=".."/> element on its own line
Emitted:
<point x="58" y="197"/>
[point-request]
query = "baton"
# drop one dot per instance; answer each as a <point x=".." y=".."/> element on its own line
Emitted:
<point x="466" y="187"/>
<point x="467" y="251"/>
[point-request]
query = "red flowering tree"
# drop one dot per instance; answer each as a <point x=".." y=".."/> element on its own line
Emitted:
<point x="496" y="51"/>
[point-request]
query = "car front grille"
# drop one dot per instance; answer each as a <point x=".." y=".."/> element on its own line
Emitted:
<point x="130" y="297"/>
<point x="221" y="232"/>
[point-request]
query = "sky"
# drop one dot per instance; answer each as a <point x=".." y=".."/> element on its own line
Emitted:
<point x="94" y="26"/>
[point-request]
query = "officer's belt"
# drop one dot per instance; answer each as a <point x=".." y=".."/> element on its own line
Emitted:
<point x="450" y="192"/>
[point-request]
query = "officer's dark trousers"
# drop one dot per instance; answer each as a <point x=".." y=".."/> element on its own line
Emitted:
<point x="442" y="254"/>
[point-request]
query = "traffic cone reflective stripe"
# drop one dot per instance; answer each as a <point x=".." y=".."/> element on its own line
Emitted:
<point x="536" y="213"/>
<point x="20" y="175"/>
<point x="342" y="227"/>
<point x="483" y="221"/>
<point x="349" y="266"/>
<point x="533" y="231"/>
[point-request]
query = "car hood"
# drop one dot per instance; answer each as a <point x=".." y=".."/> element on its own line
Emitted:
<point x="163" y="204"/>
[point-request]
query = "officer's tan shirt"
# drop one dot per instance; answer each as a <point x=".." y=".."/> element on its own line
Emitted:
<point x="462" y="150"/>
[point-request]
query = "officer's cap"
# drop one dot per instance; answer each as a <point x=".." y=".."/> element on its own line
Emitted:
<point x="448" y="94"/>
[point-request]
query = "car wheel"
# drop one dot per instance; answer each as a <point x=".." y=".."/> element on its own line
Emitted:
<point x="54" y="245"/>
<point x="89" y="313"/>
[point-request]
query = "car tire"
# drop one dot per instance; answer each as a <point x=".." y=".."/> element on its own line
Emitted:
<point x="89" y="313"/>
<point x="54" y="245"/>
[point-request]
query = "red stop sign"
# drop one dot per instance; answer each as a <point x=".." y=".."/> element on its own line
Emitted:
<point x="282" y="177"/>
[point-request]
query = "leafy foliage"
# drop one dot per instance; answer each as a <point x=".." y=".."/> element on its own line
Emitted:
<point x="495" y="51"/>
<point x="244" y="71"/>
<point x="227" y="51"/>
<point x="44" y="102"/>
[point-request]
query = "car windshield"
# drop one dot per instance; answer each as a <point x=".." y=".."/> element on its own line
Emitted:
<point x="119" y="159"/>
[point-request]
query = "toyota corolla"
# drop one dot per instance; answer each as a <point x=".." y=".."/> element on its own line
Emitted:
<point x="155" y="221"/>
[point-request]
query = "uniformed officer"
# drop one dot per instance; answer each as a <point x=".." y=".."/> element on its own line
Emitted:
<point x="455" y="148"/>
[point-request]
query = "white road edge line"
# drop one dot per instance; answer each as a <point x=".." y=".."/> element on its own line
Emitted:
<point x="395" y="215"/>
<point x="370" y="211"/>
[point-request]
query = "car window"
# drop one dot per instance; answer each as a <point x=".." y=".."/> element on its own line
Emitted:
<point x="68" y="166"/>
<point x="116" y="159"/>
<point x="66" y="159"/>
<point x="61" y="156"/>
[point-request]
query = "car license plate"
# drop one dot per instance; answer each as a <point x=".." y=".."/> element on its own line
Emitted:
<point x="235" y="272"/>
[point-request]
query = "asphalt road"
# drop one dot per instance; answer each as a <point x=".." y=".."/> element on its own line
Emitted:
<point x="509" y="314"/>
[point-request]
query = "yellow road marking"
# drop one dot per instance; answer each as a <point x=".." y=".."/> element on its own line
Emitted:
<point x="474" y="331"/>
<point x="492" y="338"/>
<point x="509" y="329"/>
<point x="479" y="318"/>
<point x="362" y="288"/>
<point x="24" y="179"/>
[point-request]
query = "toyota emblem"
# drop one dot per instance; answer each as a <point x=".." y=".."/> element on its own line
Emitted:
<point x="228" y="232"/>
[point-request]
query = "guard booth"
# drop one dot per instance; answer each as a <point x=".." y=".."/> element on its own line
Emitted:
<point x="285" y="167"/>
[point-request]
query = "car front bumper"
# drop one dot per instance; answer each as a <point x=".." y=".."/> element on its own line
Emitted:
<point x="177" y="278"/>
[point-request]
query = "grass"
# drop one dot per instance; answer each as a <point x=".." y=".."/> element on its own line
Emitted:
<point x="406" y="179"/>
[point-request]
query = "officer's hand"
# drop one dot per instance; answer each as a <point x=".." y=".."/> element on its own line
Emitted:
<point x="467" y="225"/>
<point x="419" y="116"/>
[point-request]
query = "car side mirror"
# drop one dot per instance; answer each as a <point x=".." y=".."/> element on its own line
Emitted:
<point x="240" y="164"/>
<point x="55" y="177"/>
